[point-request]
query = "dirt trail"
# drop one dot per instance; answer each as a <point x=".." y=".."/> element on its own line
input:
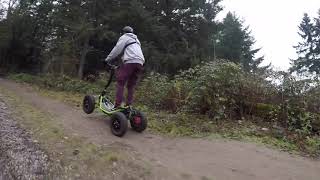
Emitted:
<point x="183" y="158"/>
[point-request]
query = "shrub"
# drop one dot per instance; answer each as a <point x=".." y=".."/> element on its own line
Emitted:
<point x="220" y="89"/>
<point x="153" y="90"/>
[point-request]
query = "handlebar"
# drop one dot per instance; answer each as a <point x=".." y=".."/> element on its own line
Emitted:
<point x="112" y="66"/>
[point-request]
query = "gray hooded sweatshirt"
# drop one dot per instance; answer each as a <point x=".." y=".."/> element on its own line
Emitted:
<point x="132" y="52"/>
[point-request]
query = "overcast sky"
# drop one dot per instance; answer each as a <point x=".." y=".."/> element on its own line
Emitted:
<point x="274" y="24"/>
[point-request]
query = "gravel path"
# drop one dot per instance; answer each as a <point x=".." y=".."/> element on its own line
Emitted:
<point x="20" y="156"/>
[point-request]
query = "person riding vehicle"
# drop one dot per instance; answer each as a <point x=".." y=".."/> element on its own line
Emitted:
<point x="129" y="49"/>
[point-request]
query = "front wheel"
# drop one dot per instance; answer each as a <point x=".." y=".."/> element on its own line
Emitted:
<point x="138" y="122"/>
<point x="88" y="104"/>
<point x="119" y="124"/>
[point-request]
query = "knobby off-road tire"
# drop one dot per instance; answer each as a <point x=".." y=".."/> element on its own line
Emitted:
<point x="139" y="122"/>
<point x="119" y="124"/>
<point x="88" y="104"/>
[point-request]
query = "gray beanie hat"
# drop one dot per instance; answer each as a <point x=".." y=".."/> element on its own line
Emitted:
<point x="127" y="29"/>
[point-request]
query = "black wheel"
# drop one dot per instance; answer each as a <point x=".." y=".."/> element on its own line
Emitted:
<point x="138" y="122"/>
<point x="88" y="104"/>
<point x="119" y="124"/>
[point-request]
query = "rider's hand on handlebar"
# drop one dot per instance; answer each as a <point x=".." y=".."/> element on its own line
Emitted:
<point x="110" y="66"/>
<point x="106" y="62"/>
<point x="107" y="65"/>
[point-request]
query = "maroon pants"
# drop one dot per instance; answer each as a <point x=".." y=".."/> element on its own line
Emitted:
<point x="127" y="73"/>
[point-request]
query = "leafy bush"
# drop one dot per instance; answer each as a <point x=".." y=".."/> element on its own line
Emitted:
<point x="222" y="90"/>
<point x="153" y="90"/>
<point x="219" y="89"/>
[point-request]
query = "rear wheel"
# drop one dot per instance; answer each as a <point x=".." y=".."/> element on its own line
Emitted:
<point x="119" y="124"/>
<point x="88" y="104"/>
<point x="138" y="122"/>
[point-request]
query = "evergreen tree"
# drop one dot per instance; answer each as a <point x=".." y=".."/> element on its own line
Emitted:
<point x="230" y="39"/>
<point x="316" y="67"/>
<point x="26" y="30"/>
<point x="55" y="34"/>
<point x="248" y="56"/>
<point x="183" y="29"/>
<point x="307" y="49"/>
<point x="235" y="43"/>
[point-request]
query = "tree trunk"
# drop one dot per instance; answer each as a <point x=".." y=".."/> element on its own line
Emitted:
<point x="45" y="67"/>
<point x="83" y="58"/>
<point x="61" y="64"/>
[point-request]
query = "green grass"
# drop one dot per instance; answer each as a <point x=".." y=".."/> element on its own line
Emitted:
<point x="72" y="157"/>
<point x="196" y="126"/>
<point x="182" y="124"/>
